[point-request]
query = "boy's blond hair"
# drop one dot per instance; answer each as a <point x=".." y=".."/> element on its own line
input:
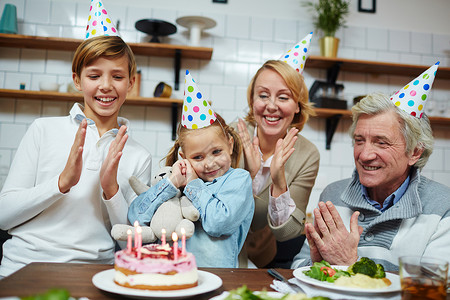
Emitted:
<point x="109" y="47"/>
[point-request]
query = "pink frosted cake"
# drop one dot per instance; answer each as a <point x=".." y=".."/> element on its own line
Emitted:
<point x="156" y="269"/>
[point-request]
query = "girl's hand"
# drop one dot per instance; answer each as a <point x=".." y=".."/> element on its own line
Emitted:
<point x="72" y="171"/>
<point x="108" y="172"/>
<point x="251" y="150"/>
<point x="283" y="150"/>
<point x="178" y="177"/>
<point x="189" y="172"/>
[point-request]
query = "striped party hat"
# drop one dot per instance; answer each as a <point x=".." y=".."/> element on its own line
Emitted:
<point x="413" y="96"/>
<point x="197" y="113"/>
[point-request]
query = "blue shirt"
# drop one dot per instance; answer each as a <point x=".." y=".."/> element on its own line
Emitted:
<point x="226" y="208"/>
<point x="390" y="200"/>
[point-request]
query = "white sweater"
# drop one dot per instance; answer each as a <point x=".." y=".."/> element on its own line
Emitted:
<point x="48" y="226"/>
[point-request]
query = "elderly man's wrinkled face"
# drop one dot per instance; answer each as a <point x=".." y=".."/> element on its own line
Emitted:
<point x="380" y="153"/>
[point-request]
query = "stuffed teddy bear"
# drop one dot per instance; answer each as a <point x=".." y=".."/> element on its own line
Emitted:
<point x="172" y="215"/>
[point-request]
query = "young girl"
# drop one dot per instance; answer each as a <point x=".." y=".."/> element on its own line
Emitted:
<point x="222" y="194"/>
<point x="66" y="188"/>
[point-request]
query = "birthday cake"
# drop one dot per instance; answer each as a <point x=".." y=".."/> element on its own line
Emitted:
<point x="155" y="267"/>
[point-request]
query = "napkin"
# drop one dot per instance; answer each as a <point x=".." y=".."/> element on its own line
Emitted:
<point x="313" y="291"/>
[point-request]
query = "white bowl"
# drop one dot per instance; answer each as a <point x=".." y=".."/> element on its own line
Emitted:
<point x="49" y="86"/>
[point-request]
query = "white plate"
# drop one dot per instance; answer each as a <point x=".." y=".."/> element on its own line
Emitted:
<point x="394" y="287"/>
<point x="206" y="282"/>
<point x="225" y="294"/>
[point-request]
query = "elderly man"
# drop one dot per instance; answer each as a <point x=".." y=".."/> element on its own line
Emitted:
<point x="387" y="209"/>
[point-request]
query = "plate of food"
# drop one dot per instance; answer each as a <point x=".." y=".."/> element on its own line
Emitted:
<point x="364" y="277"/>
<point x="206" y="282"/>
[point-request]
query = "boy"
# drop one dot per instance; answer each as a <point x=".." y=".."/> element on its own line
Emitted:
<point x="62" y="196"/>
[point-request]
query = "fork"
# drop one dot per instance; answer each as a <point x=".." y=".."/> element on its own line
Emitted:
<point x="278" y="276"/>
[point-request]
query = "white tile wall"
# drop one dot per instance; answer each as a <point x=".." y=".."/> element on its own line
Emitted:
<point x="399" y="41"/>
<point x="241" y="43"/>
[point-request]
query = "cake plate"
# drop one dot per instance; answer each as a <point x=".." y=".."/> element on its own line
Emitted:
<point x="155" y="28"/>
<point x="196" y="24"/>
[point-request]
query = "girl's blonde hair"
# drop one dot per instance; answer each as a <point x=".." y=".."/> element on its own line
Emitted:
<point x="108" y="47"/>
<point x="296" y="85"/>
<point x="227" y="132"/>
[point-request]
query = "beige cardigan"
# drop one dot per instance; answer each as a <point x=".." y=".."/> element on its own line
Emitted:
<point x="301" y="171"/>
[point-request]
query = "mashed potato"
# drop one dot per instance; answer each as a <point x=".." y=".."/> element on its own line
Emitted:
<point x="363" y="281"/>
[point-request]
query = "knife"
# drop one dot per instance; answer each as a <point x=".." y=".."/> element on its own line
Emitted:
<point x="280" y="277"/>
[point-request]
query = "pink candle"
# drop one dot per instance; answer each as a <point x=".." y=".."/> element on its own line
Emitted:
<point x="138" y="239"/>
<point x="183" y="241"/>
<point x="175" y="245"/>
<point x="129" y="242"/>
<point x="163" y="237"/>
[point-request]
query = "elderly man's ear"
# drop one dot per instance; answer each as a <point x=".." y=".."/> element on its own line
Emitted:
<point x="416" y="154"/>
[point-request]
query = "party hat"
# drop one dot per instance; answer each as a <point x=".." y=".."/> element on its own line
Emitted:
<point x="413" y="96"/>
<point x="99" y="22"/>
<point x="297" y="55"/>
<point x="197" y="112"/>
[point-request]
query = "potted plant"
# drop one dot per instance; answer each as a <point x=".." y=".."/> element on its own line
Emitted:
<point x="329" y="16"/>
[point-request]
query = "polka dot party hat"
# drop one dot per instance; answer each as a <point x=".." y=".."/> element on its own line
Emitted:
<point x="297" y="55"/>
<point x="99" y="22"/>
<point x="413" y="96"/>
<point x="197" y="112"/>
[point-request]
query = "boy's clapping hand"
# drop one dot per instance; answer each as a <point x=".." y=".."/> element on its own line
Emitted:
<point x="72" y="171"/>
<point x="108" y="173"/>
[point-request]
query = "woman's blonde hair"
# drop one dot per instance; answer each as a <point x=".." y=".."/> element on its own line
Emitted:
<point x="221" y="125"/>
<point x="296" y="85"/>
<point x="416" y="131"/>
<point x="108" y="47"/>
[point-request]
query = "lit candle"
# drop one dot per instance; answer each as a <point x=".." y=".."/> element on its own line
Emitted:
<point x="183" y="241"/>
<point x="163" y="237"/>
<point x="129" y="241"/>
<point x="175" y="245"/>
<point x="138" y="238"/>
<point x="136" y="241"/>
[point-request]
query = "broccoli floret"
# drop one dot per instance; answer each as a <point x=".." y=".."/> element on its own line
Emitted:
<point x="380" y="272"/>
<point x="363" y="266"/>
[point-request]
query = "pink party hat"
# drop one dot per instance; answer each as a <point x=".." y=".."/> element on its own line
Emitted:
<point x="413" y="96"/>
<point x="297" y="55"/>
<point x="99" y="22"/>
<point x="197" y="113"/>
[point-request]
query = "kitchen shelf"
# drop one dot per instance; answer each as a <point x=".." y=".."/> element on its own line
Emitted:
<point x="335" y="65"/>
<point x="332" y="65"/>
<point x="363" y="66"/>
<point x="74" y="97"/>
<point x="149" y="49"/>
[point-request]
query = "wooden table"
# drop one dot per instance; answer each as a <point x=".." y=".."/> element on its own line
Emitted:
<point x="37" y="278"/>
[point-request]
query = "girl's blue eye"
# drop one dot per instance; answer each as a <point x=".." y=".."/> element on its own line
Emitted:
<point x="217" y="151"/>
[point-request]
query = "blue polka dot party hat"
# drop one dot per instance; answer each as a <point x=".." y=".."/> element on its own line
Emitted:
<point x="197" y="113"/>
<point x="99" y="22"/>
<point x="297" y="55"/>
<point x="413" y="96"/>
